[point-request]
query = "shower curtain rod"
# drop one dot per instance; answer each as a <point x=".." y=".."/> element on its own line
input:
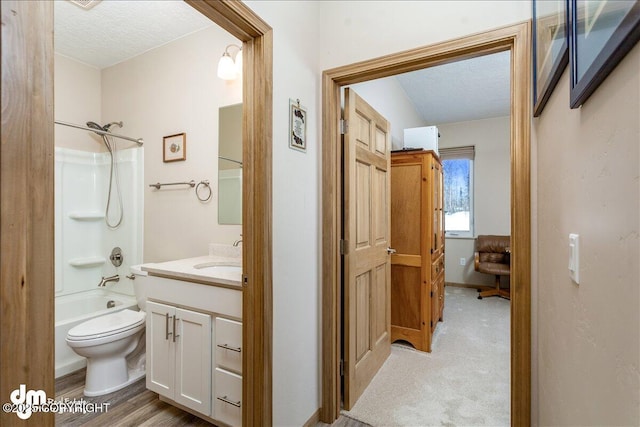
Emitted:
<point x="230" y="160"/>
<point x="138" y="141"/>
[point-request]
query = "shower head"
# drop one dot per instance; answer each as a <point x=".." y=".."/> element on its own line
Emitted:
<point x="94" y="125"/>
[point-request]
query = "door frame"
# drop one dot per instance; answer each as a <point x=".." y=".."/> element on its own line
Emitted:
<point x="257" y="298"/>
<point x="26" y="171"/>
<point x="513" y="38"/>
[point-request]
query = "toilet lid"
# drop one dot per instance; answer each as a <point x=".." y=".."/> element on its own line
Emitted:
<point x="109" y="324"/>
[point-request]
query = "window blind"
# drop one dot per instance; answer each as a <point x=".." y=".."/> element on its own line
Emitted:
<point x="467" y="152"/>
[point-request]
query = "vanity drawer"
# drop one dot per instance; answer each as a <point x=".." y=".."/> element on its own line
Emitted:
<point x="228" y="344"/>
<point x="228" y="397"/>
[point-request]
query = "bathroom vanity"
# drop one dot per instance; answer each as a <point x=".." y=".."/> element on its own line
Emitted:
<point x="194" y="336"/>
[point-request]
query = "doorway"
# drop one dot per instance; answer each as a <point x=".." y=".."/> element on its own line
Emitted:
<point x="514" y="39"/>
<point x="27" y="275"/>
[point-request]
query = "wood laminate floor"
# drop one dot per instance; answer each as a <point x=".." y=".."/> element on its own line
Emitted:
<point x="131" y="406"/>
<point x="134" y="406"/>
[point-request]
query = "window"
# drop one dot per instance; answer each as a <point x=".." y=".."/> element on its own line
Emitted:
<point x="457" y="166"/>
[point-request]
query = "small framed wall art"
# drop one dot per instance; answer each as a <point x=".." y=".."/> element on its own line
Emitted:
<point x="297" y="126"/>
<point x="174" y="148"/>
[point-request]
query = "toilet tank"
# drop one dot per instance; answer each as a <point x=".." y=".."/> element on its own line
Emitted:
<point x="140" y="286"/>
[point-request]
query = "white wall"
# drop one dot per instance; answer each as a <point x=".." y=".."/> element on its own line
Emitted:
<point x="589" y="334"/>
<point x="492" y="181"/>
<point x="353" y="31"/>
<point x="170" y="90"/>
<point x="78" y="95"/>
<point x="389" y="98"/>
<point x="296" y="212"/>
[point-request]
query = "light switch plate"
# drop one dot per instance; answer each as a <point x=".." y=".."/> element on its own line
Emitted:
<point x="574" y="257"/>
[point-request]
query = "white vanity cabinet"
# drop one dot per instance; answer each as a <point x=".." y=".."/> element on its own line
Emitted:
<point x="179" y="355"/>
<point x="194" y="347"/>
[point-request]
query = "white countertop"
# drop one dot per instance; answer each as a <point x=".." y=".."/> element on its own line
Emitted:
<point x="185" y="269"/>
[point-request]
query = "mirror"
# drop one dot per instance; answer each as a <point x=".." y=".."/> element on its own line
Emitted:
<point x="230" y="164"/>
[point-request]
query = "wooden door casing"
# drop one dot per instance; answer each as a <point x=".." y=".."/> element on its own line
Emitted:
<point x="514" y="38"/>
<point x="367" y="229"/>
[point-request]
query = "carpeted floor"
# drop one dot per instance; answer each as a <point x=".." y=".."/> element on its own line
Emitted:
<point x="464" y="381"/>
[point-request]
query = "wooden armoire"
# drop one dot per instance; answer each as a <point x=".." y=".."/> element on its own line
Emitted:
<point x="417" y="235"/>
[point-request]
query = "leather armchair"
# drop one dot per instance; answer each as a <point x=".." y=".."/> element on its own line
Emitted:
<point x="493" y="256"/>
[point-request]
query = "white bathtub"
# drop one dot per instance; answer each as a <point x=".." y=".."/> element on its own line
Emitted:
<point x="71" y="310"/>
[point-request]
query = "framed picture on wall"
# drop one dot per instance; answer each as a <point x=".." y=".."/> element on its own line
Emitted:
<point x="174" y="147"/>
<point x="550" y="48"/>
<point x="297" y="126"/>
<point x="602" y="33"/>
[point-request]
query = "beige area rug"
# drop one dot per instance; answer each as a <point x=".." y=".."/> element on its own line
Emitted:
<point x="464" y="381"/>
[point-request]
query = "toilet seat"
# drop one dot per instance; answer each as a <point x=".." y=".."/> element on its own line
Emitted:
<point x="118" y="323"/>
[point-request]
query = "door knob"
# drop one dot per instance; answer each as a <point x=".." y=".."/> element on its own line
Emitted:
<point x="391" y="251"/>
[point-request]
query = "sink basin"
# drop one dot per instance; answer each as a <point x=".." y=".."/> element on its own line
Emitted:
<point x="211" y="267"/>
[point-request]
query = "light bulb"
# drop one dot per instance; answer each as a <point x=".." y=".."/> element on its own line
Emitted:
<point x="226" y="68"/>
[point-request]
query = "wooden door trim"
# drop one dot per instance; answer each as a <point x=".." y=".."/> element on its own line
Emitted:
<point x="257" y="307"/>
<point x="26" y="170"/>
<point x="514" y="38"/>
<point x="27" y="204"/>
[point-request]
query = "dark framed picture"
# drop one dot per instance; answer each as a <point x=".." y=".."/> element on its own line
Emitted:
<point x="174" y="148"/>
<point x="602" y="32"/>
<point x="297" y="126"/>
<point x="550" y="48"/>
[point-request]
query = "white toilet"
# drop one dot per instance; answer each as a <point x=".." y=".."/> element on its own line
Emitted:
<point x="114" y="345"/>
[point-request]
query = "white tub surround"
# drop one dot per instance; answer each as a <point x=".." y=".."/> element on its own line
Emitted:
<point x="83" y="242"/>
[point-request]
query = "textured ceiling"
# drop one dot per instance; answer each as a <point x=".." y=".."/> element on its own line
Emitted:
<point x="472" y="89"/>
<point x="114" y="31"/>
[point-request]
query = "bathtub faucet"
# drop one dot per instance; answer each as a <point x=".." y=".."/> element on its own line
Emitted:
<point x="106" y="280"/>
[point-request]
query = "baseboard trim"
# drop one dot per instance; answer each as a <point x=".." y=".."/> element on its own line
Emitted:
<point x="314" y="420"/>
<point x="467" y="285"/>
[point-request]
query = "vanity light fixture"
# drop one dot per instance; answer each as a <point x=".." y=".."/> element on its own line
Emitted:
<point x="228" y="68"/>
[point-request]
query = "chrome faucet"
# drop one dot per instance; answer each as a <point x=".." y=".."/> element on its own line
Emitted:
<point x="106" y="280"/>
<point x="237" y="242"/>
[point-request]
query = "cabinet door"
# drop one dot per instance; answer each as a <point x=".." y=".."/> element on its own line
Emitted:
<point x="435" y="304"/>
<point x="160" y="353"/>
<point x="193" y="360"/>
<point x="441" y="297"/>
<point x="436" y="204"/>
